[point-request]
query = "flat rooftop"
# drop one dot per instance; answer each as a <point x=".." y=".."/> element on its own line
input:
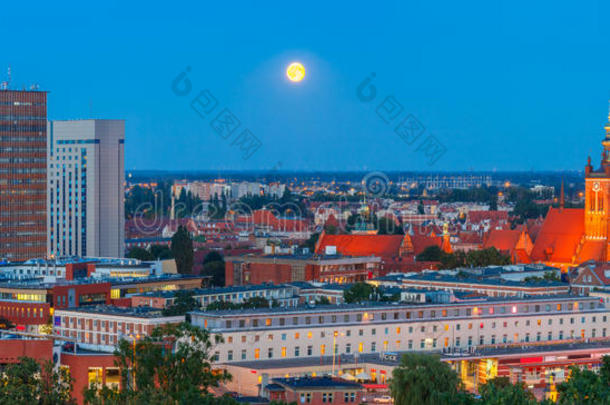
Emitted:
<point x="392" y="306"/>
<point x="138" y="312"/>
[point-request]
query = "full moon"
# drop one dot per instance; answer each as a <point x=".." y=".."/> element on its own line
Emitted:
<point x="295" y="72"/>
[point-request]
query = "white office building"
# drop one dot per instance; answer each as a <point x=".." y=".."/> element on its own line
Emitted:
<point x="291" y="333"/>
<point x="85" y="188"/>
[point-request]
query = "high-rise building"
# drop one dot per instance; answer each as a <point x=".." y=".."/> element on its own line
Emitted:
<point x="86" y="188"/>
<point x="23" y="132"/>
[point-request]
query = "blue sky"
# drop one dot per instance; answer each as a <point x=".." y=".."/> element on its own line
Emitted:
<point x="504" y="85"/>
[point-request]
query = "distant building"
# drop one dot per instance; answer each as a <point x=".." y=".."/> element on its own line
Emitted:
<point x="85" y="211"/>
<point x="283" y="295"/>
<point x="277" y="269"/>
<point x="23" y="174"/>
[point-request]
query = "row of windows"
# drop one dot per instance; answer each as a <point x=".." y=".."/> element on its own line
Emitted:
<point x="12" y="117"/>
<point x="22" y="160"/>
<point x="428" y="343"/>
<point x="423" y="328"/>
<point x="21" y="312"/>
<point x="22" y="170"/>
<point x="23" y="149"/>
<point x="21" y="138"/>
<point x="475" y="311"/>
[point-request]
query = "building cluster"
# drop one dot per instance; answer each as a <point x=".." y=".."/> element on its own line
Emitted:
<point x="291" y="328"/>
<point x="61" y="182"/>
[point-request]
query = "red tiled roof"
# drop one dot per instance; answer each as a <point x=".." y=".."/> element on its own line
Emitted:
<point x="502" y="239"/>
<point x="479" y="216"/>
<point x="470" y="237"/>
<point x="267" y="218"/>
<point x="521" y="256"/>
<point x="361" y="245"/>
<point x="421" y="242"/>
<point x="591" y="250"/>
<point x="559" y="236"/>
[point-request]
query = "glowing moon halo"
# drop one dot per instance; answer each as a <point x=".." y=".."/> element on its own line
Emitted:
<point x="295" y="72"/>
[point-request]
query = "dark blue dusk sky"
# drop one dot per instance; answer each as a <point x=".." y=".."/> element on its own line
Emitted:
<point x="504" y="85"/>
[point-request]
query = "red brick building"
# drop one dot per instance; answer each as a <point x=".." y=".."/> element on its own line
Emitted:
<point x="315" y="390"/>
<point x="12" y="349"/>
<point x="29" y="304"/>
<point x="23" y="174"/>
<point x="88" y="368"/>
<point x="397" y="252"/>
<point x="241" y="270"/>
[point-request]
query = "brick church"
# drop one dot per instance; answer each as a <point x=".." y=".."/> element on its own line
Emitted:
<point x="570" y="236"/>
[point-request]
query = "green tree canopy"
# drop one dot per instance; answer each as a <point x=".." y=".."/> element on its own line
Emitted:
<point x="140" y="254"/>
<point x="183" y="302"/>
<point x="500" y="391"/>
<point x="586" y="386"/>
<point x="214" y="265"/>
<point x="358" y="292"/>
<point x="171" y="366"/>
<point x="29" y="382"/>
<point x="182" y="249"/>
<point x="161" y="252"/>
<point x="422" y="379"/>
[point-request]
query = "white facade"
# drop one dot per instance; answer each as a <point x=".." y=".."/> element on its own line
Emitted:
<point x="101" y="329"/>
<point x="85" y="188"/>
<point x="313" y="332"/>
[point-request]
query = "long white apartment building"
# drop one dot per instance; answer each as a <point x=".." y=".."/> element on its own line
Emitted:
<point x="289" y="333"/>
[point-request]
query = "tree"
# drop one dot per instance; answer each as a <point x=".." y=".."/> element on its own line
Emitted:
<point x="161" y="252"/>
<point x="182" y="249"/>
<point x="486" y="257"/>
<point x="500" y="391"/>
<point x="29" y="382"/>
<point x="358" y="292"/>
<point x="430" y="254"/>
<point x="183" y="302"/>
<point x="171" y="366"/>
<point x="421" y="210"/>
<point x="422" y="379"/>
<point x="310" y="243"/>
<point x="214" y="265"/>
<point x="387" y="226"/>
<point x="140" y="254"/>
<point x="493" y="202"/>
<point x="585" y="387"/>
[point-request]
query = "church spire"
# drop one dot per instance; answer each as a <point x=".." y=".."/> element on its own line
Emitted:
<point x="606" y="141"/>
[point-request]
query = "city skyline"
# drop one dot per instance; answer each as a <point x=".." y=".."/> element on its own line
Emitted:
<point x="515" y="96"/>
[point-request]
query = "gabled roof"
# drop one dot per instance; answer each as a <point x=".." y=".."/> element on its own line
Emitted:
<point x="361" y="245"/>
<point x="421" y="242"/>
<point x="503" y="239"/>
<point x="559" y="236"/>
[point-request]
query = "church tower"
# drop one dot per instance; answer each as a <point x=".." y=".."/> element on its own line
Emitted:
<point x="597" y="192"/>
